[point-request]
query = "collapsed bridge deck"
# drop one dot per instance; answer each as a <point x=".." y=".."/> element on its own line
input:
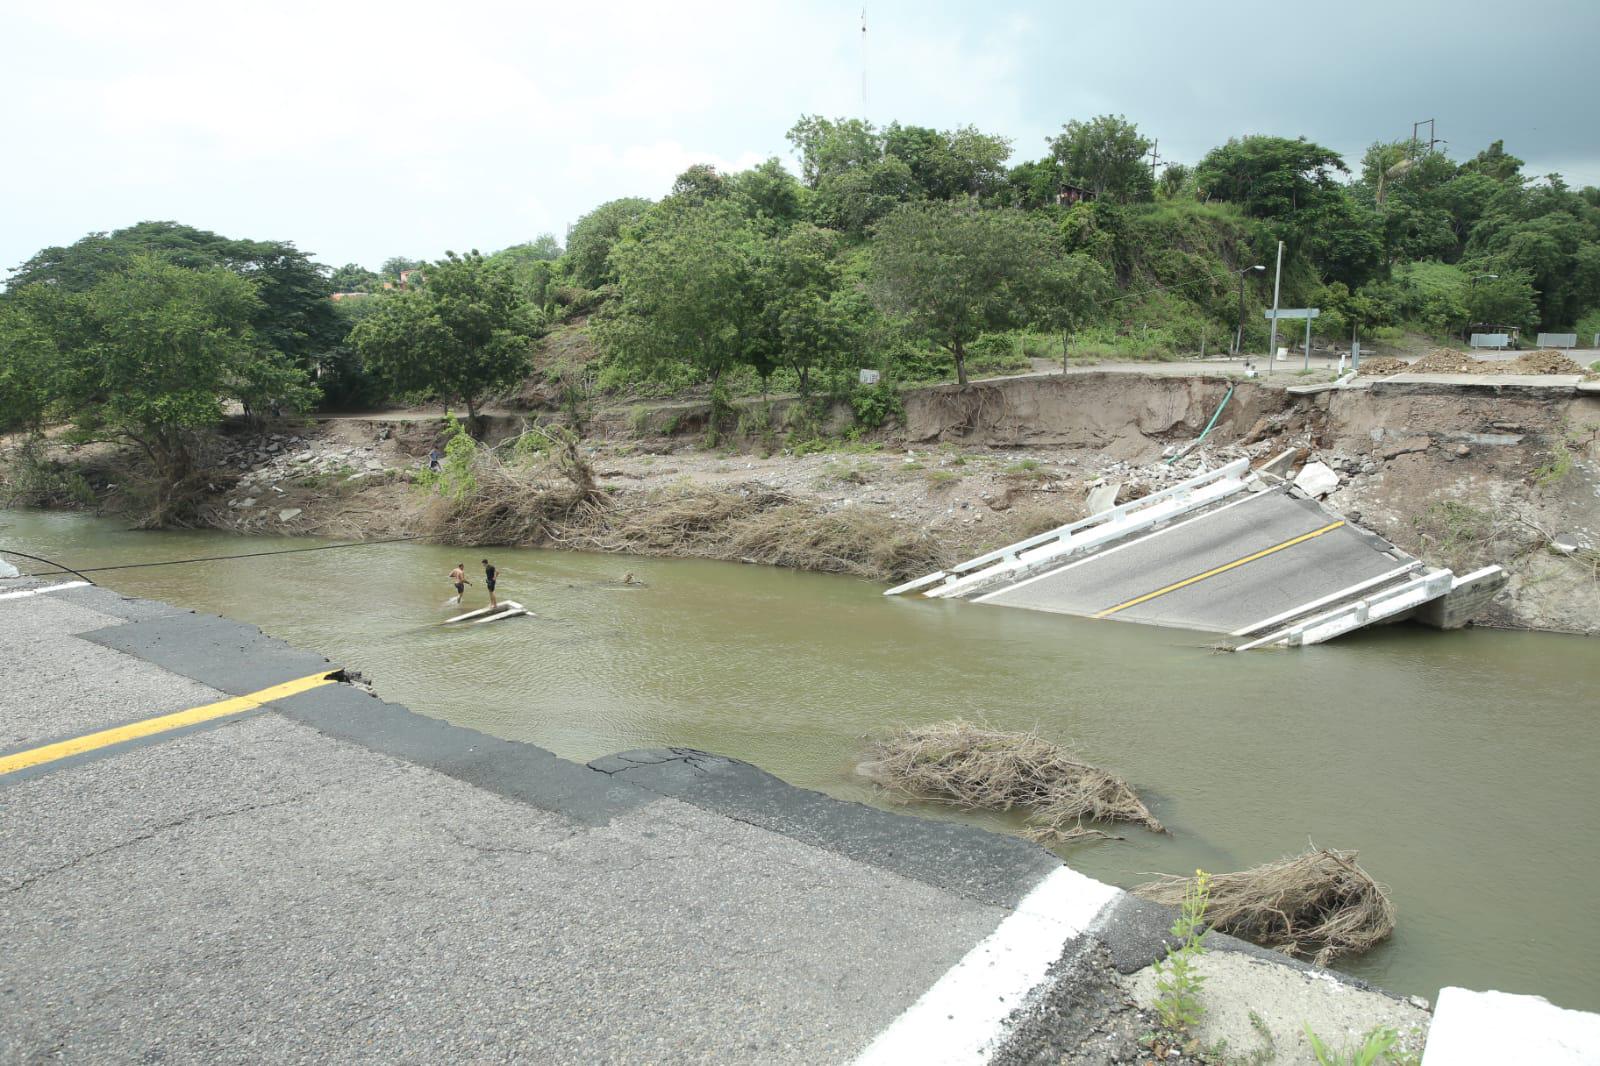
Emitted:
<point x="1227" y="551"/>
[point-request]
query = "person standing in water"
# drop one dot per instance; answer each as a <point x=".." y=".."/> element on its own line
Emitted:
<point x="458" y="577"/>
<point x="488" y="582"/>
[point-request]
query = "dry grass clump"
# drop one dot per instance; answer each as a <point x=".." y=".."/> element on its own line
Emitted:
<point x="970" y="766"/>
<point x="1318" y="904"/>
<point x="515" y="502"/>
<point x="756" y="524"/>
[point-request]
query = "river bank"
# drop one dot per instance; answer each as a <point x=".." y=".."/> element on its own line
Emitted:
<point x="1461" y="476"/>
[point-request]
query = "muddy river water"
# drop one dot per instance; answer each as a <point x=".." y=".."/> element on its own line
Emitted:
<point x="1463" y="766"/>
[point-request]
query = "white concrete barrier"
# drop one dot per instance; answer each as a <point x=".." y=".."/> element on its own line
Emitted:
<point x="1498" y="1028"/>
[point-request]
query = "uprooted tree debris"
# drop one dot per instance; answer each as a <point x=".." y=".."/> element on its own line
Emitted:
<point x="1318" y="904"/>
<point x="974" y="767"/>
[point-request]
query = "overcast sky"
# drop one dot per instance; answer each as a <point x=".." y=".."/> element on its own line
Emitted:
<point x="361" y="131"/>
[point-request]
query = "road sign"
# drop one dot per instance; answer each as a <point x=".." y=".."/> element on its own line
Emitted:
<point x="1293" y="312"/>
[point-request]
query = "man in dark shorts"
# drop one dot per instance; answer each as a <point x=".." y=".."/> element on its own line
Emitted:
<point x="488" y="582"/>
<point x="458" y="577"/>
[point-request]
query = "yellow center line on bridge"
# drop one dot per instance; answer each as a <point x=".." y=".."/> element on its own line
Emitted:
<point x="1224" y="568"/>
<point x="62" y="749"/>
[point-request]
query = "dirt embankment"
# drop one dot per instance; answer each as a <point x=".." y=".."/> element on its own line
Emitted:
<point x="1471" y="478"/>
<point x="1463" y="477"/>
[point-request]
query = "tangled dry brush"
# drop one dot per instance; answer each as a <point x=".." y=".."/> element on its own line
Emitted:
<point x="974" y="767"/>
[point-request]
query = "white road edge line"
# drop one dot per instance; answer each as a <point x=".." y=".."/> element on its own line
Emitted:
<point x="19" y="594"/>
<point x="1126" y="544"/>
<point x="961" y="1019"/>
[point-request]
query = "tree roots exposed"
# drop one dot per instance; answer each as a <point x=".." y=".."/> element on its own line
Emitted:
<point x="970" y="766"/>
<point x="1318" y="904"/>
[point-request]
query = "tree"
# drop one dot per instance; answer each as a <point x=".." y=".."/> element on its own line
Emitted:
<point x="959" y="162"/>
<point x="33" y="337"/>
<point x="769" y="192"/>
<point x="1271" y="177"/>
<point x="151" y="354"/>
<point x="1106" y="156"/>
<point x="292" y="313"/>
<point x="1032" y="185"/>
<point x="830" y="147"/>
<point x="463" y="333"/>
<point x="591" y="238"/>
<point x="353" y="277"/>
<point x="809" y="324"/>
<point x="953" y="271"/>
<point x="699" y="184"/>
<point x="690" y="291"/>
<point x="850" y="201"/>
<point x="1507" y="300"/>
<point x="396" y="265"/>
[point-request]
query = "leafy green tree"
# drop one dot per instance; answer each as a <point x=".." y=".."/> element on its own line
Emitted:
<point x="833" y="146"/>
<point x="954" y="271"/>
<point x="811" y="324"/>
<point x="1506" y="300"/>
<point x="1032" y="186"/>
<point x="590" y="240"/>
<point x="1271" y="177"/>
<point x="689" y="284"/>
<point x="1106" y="156"/>
<point x="292" y="313"/>
<point x="465" y="332"/>
<point x="945" y="165"/>
<point x="1175" y="181"/>
<point x="850" y="201"/>
<point x="770" y="193"/>
<point x="700" y="184"/>
<point x="34" y="337"/>
<point x="396" y="265"/>
<point x="151" y="355"/>
<point x="353" y="277"/>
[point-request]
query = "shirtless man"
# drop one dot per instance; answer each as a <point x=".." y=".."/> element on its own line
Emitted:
<point x="458" y="577"/>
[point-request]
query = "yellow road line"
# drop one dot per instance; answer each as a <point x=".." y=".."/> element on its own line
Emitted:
<point x="1214" y="571"/>
<point x="61" y="749"/>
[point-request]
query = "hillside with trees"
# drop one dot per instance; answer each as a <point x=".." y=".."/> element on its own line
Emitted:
<point x="924" y="254"/>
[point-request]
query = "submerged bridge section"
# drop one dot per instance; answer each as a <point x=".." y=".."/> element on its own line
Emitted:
<point x="1228" y="551"/>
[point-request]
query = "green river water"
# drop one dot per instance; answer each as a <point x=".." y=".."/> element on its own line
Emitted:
<point x="1461" y="765"/>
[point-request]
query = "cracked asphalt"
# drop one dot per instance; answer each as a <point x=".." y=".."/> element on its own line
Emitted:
<point x="334" y="878"/>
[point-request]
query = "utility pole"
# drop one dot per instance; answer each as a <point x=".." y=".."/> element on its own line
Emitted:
<point x="1155" y="158"/>
<point x="863" y="61"/>
<point x="1277" y="283"/>
<point x="1416" y="133"/>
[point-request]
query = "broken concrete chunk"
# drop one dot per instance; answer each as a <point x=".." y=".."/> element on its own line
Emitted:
<point x="1102" y="497"/>
<point x="1316" y="479"/>
<point x="1406" y="447"/>
<point x="288" y="513"/>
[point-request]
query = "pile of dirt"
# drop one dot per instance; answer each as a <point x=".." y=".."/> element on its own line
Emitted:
<point x="1544" y="361"/>
<point x="1383" y="367"/>
<point x="1448" y="361"/>
<point x="1317" y="904"/>
<point x="977" y="768"/>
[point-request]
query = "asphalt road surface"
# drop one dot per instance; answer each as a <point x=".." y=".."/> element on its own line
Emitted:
<point x="1219" y="571"/>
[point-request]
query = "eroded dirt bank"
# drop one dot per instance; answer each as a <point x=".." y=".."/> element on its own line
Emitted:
<point x="1464" y="477"/>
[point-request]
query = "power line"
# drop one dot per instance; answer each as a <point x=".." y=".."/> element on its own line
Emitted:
<point x="62" y="569"/>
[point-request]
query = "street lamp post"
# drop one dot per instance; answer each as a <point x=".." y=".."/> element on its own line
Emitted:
<point x="1238" y="337"/>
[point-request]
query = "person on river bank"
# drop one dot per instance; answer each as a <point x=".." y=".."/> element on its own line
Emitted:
<point x="489" y="573"/>
<point x="458" y="577"/>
